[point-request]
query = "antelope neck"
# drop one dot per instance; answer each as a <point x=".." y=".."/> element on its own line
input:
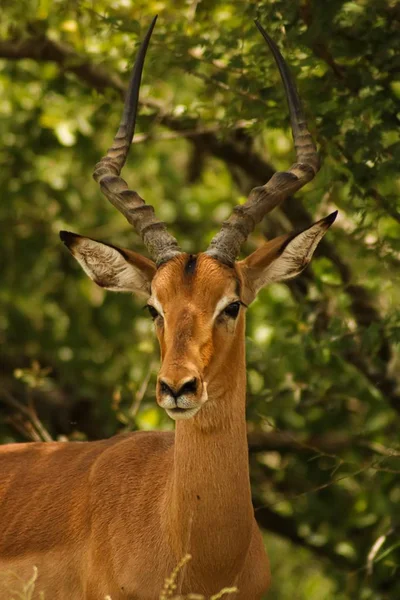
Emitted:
<point x="209" y="502"/>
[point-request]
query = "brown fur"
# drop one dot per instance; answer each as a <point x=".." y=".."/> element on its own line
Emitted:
<point x="116" y="516"/>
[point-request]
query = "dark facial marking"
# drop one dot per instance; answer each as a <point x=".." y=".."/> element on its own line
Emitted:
<point x="237" y="288"/>
<point x="190" y="266"/>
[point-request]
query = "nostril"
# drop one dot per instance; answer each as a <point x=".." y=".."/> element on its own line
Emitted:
<point x="165" y="389"/>
<point x="190" y="387"/>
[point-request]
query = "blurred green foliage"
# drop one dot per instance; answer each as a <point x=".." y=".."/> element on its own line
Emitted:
<point x="323" y="362"/>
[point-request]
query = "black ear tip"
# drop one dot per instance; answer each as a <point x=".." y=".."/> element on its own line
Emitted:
<point x="331" y="218"/>
<point x="68" y="238"/>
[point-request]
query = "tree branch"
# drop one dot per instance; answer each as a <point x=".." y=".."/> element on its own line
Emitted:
<point x="286" y="527"/>
<point x="42" y="48"/>
<point x="39" y="431"/>
<point x="330" y="443"/>
<point x="322" y="51"/>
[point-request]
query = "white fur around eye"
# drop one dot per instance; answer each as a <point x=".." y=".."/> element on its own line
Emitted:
<point x="157" y="305"/>
<point x="221" y="304"/>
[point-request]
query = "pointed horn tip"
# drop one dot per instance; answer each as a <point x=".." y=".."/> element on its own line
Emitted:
<point x="261" y="28"/>
<point x="153" y="22"/>
<point x="152" y="25"/>
<point x="68" y="238"/>
<point x="330" y="218"/>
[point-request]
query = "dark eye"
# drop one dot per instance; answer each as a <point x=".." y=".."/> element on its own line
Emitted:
<point x="232" y="310"/>
<point x="153" y="312"/>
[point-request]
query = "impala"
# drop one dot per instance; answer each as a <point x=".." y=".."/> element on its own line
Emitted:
<point x="114" y="517"/>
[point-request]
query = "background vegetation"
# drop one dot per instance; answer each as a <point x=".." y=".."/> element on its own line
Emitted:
<point x="323" y="362"/>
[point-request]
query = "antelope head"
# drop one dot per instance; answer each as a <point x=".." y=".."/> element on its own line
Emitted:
<point x="198" y="301"/>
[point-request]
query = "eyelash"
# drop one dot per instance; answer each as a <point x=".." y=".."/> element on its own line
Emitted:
<point x="153" y="312"/>
<point x="232" y="310"/>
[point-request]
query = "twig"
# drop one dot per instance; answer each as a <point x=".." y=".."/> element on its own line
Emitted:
<point x="24" y="428"/>
<point x="376" y="546"/>
<point x="187" y="133"/>
<point x="227" y="88"/>
<point x="141" y="392"/>
<point x="322" y="445"/>
<point x="30" y="413"/>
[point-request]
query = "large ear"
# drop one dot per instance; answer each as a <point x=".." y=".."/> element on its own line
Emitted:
<point x="113" y="268"/>
<point x="281" y="258"/>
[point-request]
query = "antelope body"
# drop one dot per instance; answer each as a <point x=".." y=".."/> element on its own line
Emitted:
<point x="115" y="517"/>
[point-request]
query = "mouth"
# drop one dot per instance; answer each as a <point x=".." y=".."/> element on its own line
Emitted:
<point x="179" y="414"/>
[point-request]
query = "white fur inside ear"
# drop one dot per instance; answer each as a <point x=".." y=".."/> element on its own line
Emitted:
<point x="295" y="256"/>
<point x="107" y="267"/>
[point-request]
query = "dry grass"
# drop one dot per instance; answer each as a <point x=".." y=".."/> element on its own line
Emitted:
<point x="168" y="591"/>
<point x="26" y="589"/>
<point x="170" y="586"/>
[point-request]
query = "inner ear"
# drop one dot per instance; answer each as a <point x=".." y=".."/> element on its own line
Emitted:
<point x="111" y="267"/>
<point x="283" y="258"/>
<point x="257" y="263"/>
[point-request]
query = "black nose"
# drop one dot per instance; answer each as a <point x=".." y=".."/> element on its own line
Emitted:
<point x="189" y="387"/>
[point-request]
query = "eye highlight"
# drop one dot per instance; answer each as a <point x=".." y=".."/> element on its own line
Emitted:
<point x="232" y="310"/>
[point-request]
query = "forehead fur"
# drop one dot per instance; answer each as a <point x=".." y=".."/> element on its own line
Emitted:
<point x="195" y="277"/>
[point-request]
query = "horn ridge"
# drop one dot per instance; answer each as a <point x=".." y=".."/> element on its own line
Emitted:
<point x="225" y="245"/>
<point x="107" y="172"/>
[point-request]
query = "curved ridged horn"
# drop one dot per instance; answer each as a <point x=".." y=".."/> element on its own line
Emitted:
<point x="225" y="246"/>
<point x="161" y="245"/>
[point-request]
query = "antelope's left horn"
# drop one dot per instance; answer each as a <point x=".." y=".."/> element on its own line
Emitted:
<point x="161" y="245"/>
